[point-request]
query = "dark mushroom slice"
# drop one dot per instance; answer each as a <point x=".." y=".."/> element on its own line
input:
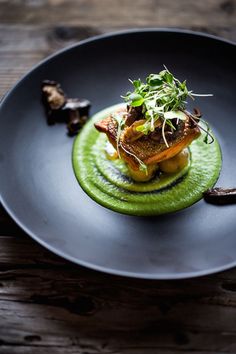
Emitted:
<point x="72" y="111"/>
<point x="220" y="196"/>
<point x="77" y="112"/>
<point x="133" y="114"/>
<point x="74" y="125"/>
<point x="80" y="104"/>
<point x="54" y="99"/>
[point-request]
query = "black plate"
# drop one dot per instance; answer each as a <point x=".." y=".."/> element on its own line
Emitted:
<point x="40" y="191"/>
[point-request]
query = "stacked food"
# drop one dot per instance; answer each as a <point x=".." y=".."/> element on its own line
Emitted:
<point x="153" y="158"/>
<point x="155" y="129"/>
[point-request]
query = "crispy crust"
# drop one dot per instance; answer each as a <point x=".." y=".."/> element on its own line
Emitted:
<point x="148" y="150"/>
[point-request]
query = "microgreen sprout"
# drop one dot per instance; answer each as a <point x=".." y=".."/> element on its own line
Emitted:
<point x="208" y="135"/>
<point x="163" y="97"/>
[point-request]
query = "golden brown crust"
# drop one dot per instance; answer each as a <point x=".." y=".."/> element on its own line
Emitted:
<point x="148" y="149"/>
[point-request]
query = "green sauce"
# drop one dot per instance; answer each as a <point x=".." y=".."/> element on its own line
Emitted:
<point x="108" y="181"/>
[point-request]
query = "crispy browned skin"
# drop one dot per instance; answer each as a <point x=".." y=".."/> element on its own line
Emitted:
<point x="150" y="148"/>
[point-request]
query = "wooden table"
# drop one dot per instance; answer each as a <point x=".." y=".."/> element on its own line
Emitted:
<point x="48" y="305"/>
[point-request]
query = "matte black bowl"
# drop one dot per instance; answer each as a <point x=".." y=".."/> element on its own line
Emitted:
<point x="40" y="191"/>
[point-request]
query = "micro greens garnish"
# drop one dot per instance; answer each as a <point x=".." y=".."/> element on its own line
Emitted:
<point x="163" y="98"/>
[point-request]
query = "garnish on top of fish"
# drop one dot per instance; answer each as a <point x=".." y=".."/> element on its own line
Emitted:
<point x="155" y="128"/>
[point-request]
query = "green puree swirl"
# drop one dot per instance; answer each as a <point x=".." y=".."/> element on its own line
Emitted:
<point x="109" y="184"/>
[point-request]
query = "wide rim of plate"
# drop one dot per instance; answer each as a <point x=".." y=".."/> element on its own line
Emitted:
<point x="58" y="252"/>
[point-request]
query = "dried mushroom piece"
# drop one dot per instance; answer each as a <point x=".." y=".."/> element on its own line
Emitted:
<point x="72" y="111"/>
<point x="220" y="196"/>
<point x="77" y="111"/>
<point x="133" y="114"/>
<point x="53" y="94"/>
<point x="81" y="104"/>
<point x="53" y="99"/>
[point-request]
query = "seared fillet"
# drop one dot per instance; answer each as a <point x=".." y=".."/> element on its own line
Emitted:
<point x="151" y="148"/>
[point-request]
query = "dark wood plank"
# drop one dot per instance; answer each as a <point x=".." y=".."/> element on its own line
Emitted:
<point x="48" y="302"/>
<point x="120" y="13"/>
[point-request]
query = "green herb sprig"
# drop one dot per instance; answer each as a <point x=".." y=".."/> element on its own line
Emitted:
<point x="162" y="97"/>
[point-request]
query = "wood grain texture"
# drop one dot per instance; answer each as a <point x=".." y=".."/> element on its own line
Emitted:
<point x="48" y="305"/>
<point x="46" y="302"/>
<point x="120" y="12"/>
